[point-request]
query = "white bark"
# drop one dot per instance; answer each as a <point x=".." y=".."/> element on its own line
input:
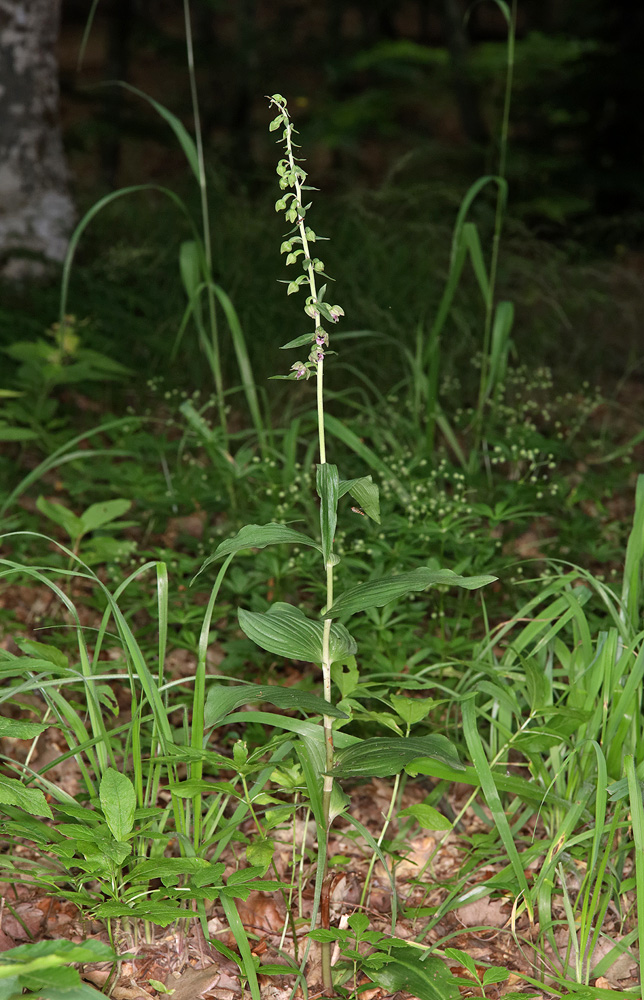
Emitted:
<point x="36" y="209"/>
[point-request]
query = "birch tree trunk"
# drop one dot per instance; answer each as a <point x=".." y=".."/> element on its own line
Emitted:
<point x="36" y="209"/>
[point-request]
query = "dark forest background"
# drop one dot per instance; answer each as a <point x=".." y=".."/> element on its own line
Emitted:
<point x="380" y="89"/>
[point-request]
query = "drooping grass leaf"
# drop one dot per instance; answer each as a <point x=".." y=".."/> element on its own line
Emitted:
<point x="527" y="790"/>
<point x="301" y="726"/>
<point x="243" y="360"/>
<point x="352" y="441"/>
<point x="221" y="701"/>
<point x="258" y="536"/>
<point x="376" y="593"/>
<point x="286" y="631"/>
<point x="493" y="800"/>
<point x="246" y="962"/>
<point x="383" y="756"/>
<point x="184" y="138"/>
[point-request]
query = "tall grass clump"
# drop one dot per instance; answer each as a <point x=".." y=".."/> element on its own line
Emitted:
<point x="555" y="734"/>
<point x="207" y="300"/>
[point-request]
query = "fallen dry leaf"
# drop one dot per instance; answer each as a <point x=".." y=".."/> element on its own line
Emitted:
<point x="419" y="853"/>
<point x="193" y="982"/>
<point x="130" y="993"/>
<point x="260" y="913"/>
<point x="484" y="912"/>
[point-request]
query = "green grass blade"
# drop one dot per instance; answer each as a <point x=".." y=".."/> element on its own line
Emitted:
<point x="634" y="555"/>
<point x="239" y="933"/>
<point x="472" y="241"/>
<point x="184" y="138"/>
<point x="493" y="800"/>
<point x="87" y="218"/>
<point x="637" y="821"/>
<point x="243" y="360"/>
<point x="62" y="455"/>
<point x="467" y="202"/>
<point x="352" y="441"/>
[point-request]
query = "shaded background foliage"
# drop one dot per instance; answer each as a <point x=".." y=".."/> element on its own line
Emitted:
<point x="398" y="106"/>
<point x="412" y="87"/>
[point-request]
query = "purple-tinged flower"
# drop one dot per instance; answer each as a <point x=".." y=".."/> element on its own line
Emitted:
<point x="300" y="370"/>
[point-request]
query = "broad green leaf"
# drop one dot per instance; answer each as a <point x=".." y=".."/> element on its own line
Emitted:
<point x="260" y="854"/>
<point x="376" y="593"/>
<point x="19" y="730"/>
<point x="170" y="867"/>
<point x="365" y="492"/>
<point x="312" y="757"/>
<point x="16" y="433"/>
<point x="258" y="536"/>
<point x="31" y="800"/>
<point x="427" y="817"/>
<point x="43" y="651"/>
<point x="346" y="676"/>
<point x="411" y="710"/>
<point x="382" y="756"/>
<point x="10" y="988"/>
<point x="102" y="513"/>
<point x="495" y="974"/>
<point x="162" y="914"/>
<point x="327" y="482"/>
<point x="48" y="955"/>
<point x="56" y="982"/>
<point x="429" y="979"/>
<point x="61" y="515"/>
<point x="80" y="991"/>
<point x="286" y="631"/>
<point x="118" y="802"/>
<point x="212" y="875"/>
<point x="223" y="700"/>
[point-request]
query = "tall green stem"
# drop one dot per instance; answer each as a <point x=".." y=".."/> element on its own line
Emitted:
<point x="205" y="218"/>
<point x="498" y="226"/>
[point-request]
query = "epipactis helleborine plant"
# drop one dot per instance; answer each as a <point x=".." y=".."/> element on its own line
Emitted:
<point x="284" y="629"/>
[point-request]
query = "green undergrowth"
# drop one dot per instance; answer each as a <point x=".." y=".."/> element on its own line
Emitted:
<point x="230" y="644"/>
